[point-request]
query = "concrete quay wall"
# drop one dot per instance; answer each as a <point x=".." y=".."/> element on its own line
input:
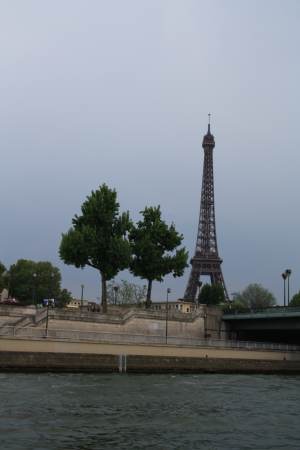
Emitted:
<point x="74" y="362"/>
<point x="54" y="355"/>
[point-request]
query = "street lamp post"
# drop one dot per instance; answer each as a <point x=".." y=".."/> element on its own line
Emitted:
<point x="47" y="317"/>
<point x="288" y="273"/>
<point x="48" y="301"/>
<point x="167" y="313"/>
<point x="284" y="275"/>
<point x="81" y="301"/>
<point x="34" y="275"/>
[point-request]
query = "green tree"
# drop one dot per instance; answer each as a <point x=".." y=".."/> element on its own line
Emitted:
<point x="295" y="301"/>
<point x="211" y="294"/>
<point x="31" y="281"/>
<point x="2" y="276"/>
<point x="98" y="237"/>
<point x="63" y="298"/>
<point x="153" y="244"/>
<point x="2" y="268"/>
<point x="125" y="293"/>
<point x="254" y="297"/>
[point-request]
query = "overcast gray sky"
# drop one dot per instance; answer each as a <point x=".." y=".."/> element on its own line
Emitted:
<point x="119" y="91"/>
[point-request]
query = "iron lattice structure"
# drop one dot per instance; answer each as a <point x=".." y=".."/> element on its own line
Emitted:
<point x="206" y="260"/>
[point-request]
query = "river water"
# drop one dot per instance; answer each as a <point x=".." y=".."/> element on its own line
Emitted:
<point x="184" y="412"/>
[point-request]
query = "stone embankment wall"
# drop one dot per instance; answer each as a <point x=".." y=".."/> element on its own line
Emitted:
<point x="202" y="323"/>
<point x="205" y="322"/>
<point x="136" y="324"/>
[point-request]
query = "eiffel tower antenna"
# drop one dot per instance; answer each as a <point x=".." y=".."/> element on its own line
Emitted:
<point x="206" y="260"/>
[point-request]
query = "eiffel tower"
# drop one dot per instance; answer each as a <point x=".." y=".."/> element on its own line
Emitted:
<point x="206" y="260"/>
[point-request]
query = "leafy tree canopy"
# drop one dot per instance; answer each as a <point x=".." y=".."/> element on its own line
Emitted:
<point x="2" y="268"/>
<point x="125" y="293"/>
<point x="31" y="282"/>
<point x="211" y="294"/>
<point x="98" y="237"/>
<point x="295" y="301"/>
<point x="254" y="296"/>
<point x="153" y="245"/>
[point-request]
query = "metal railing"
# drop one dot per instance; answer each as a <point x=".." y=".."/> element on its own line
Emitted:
<point x="124" y="338"/>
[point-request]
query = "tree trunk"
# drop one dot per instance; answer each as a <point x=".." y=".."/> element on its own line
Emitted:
<point x="148" y="298"/>
<point x="104" y="293"/>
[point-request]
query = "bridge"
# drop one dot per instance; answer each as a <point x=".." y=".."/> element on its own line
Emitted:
<point x="277" y="324"/>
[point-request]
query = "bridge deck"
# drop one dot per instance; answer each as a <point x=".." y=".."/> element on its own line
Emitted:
<point x="268" y="313"/>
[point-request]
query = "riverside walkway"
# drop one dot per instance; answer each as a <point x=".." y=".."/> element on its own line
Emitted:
<point x="103" y="352"/>
<point x="32" y="333"/>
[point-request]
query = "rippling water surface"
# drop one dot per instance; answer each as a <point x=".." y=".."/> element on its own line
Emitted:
<point x="86" y="412"/>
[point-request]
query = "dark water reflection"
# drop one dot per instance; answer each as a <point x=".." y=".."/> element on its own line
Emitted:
<point x="207" y="412"/>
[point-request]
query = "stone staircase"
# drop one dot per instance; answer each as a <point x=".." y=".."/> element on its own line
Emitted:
<point x="15" y="318"/>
